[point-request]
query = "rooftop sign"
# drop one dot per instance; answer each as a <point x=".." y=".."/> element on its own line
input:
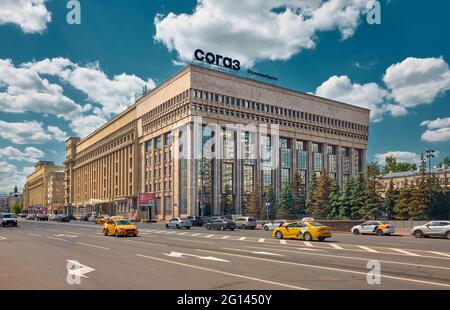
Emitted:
<point x="217" y="60"/>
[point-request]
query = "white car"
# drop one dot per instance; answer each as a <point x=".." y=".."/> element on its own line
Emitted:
<point x="179" y="223"/>
<point x="434" y="228"/>
<point x="374" y="227"/>
<point x="8" y="219"/>
<point x="272" y="225"/>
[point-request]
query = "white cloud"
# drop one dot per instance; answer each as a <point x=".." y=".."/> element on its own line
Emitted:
<point x="11" y="175"/>
<point x="417" y="81"/>
<point x="29" y="154"/>
<point x="25" y="89"/>
<point x="31" y="16"/>
<point x="369" y="96"/>
<point x="438" y="130"/>
<point x="255" y="30"/>
<point x="401" y="157"/>
<point x="30" y="133"/>
<point x="410" y="83"/>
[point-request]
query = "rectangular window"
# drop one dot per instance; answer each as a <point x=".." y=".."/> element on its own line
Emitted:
<point x="158" y="143"/>
<point x="168" y="139"/>
<point x="149" y="146"/>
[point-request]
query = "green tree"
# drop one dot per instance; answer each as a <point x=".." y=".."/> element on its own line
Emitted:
<point x="320" y="207"/>
<point x="335" y="201"/>
<point x="17" y="208"/>
<point x="403" y="201"/>
<point x="390" y="200"/>
<point x="345" y="211"/>
<point x="299" y="192"/>
<point x="372" y="205"/>
<point x="287" y="202"/>
<point x="445" y="161"/>
<point x="420" y="199"/>
<point x="393" y="166"/>
<point x="253" y="204"/>
<point x="357" y="196"/>
<point x="312" y="185"/>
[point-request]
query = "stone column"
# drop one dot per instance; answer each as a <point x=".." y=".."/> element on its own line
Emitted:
<point x="237" y="182"/>
<point x="294" y="157"/>
<point x="339" y="166"/>
<point x="325" y="158"/>
<point x="310" y="160"/>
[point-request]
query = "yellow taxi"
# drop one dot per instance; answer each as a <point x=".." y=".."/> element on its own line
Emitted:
<point x="302" y="230"/>
<point x="120" y="227"/>
<point x="101" y="219"/>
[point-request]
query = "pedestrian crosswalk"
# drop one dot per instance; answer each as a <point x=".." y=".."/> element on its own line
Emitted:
<point x="312" y="245"/>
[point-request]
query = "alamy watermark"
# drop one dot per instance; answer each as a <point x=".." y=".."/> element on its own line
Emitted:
<point x="74" y="12"/>
<point x="374" y="275"/>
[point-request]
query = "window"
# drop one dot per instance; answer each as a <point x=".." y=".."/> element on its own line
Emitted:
<point x="168" y="139"/>
<point x="158" y="143"/>
<point x="149" y="146"/>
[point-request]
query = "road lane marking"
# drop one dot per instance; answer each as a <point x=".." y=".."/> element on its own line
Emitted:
<point x="60" y="239"/>
<point x="144" y="242"/>
<point x="209" y="236"/>
<point x="195" y="234"/>
<point x="439" y="253"/>
<point x="349" y="257"/>
<point x="308" y="244"/>
<point x="329" y="268"/>
<point x="242" y="238"/>
<point x="182" y="234"/>
<point x="261" y="240"/>
<point x="405" y="252"/>
<point x="254" y="252"/>
<point x="170" y="232"/>
<point x="3" y="238"/>
<point x="283" y="241"/>
<point x="37" y="235"/>
<point x="198" y="241"/>
<point x="367" y="249"/>
<point x="224" y="273"/>
<point x="93" y="245"/>
<point x="80" y="269"/>
<point x="181" y="255"/>
<point x="67" y="236"/>
<point x="225" y="237"/>
<point x="337" y="247"/>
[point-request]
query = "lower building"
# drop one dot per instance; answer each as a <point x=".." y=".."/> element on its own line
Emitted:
<point x="44" y="189"/>
<point x="202" y="141"/>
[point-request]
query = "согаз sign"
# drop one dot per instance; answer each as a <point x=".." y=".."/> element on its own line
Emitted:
<point x="218" y="60"/>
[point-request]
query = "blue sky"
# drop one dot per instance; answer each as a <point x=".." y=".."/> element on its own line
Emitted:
<point x="59" y="80"/>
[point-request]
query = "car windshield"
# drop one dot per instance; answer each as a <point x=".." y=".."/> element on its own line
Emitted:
<point x="251" y="219"/>
<point x="8" y="216"/>
<point x="185" y="219"/>
<point x="123" y="222"/>
<point x="317" y="224"/>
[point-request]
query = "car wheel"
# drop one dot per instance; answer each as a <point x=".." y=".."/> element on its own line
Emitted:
<point x="167" y="226"/>
<point x="380" y="232"/>
<point x="105" y="232"/>
<point x="418" y="234"/>
<point x="447" y="235"/>
<point x="117" y="233"/>
<point x="278" y="235"/>
<point x="178" y="226"/>
<point x="232" y="229"/>
<point x="321" y="239"/>
<point x="307" y="236"/>
<point x="266" y="228"/>
<point x="356" y="231"/>
<point x="188" y="227"/>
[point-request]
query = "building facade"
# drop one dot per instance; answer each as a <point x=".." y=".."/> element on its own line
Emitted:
<point x="204" y="139"/>
<point x="44" y="189"/>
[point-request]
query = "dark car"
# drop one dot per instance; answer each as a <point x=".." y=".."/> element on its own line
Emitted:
<point x="196" y="221"/>
<point x="84" y="218"/>
<point x="62" y="218"/>
<point x="220" y="224"/>
<point x="42" y="218"/>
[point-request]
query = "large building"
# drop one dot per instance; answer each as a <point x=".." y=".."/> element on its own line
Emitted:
<point x="8" y="201"/>
<point x="204" y="139"/>
<point x="44" y="189"/>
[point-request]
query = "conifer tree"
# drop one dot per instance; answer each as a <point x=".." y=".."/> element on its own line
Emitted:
<point x="335" y="201"/>
<point x="298" y="190"/>
<point x="403" y="201"/>
<point x="269" y="196"/>
<point x="420" y="199"/>
<point x="253" y="203"/>
<point x="357" y="196"/>
<point x="390" y="199"/>
<point x="320" y="206"/>
<point x="287" y="202"/>
<point x="371" y="205"/>
<point x="345" y="211"/>
<point x="312" y="185"/>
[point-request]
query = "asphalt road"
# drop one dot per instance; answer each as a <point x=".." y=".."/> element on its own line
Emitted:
<point x="35" y="255"/>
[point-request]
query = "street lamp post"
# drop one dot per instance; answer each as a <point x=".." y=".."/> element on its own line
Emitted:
<point x="430" y="155"/>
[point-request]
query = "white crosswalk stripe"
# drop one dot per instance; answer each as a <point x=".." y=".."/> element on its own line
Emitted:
<point x="338" y="247"/>
<point x="405" y="252"/>
<point x="209" y="236"/>
<point x="283" y="241"/>
<point x="261" y="240"/>
<point x="225" y="237"/>
<point x="308" y="244"/>
<point x="193" y="235"/>
<point x="242" y="238"/>
<point x="439" y="253"/>
<point x="182" y="234"/>
<point x="367" y="249"/>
